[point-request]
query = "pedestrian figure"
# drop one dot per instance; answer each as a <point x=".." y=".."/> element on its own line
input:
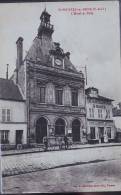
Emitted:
<point x="46" y="143"/>
<point x="66" y="141"/>
<point x="60" y="143"/>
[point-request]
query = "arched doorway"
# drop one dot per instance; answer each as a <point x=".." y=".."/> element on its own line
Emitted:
<point x="60" y="127"/>
<point x="41" y="129"/>
<point x="76" y="130"/>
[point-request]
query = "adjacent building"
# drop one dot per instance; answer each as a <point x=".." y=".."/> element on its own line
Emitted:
<point x="13" y="126"/>
<point x="100" y="124"/>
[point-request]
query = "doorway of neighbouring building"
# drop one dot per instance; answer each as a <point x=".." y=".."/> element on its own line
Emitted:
<point x="60" y="127"/>
<point x="41" y="129"/>
<point x="101" y="134"/>
<point x="19" y="136"/>
<point x="76" y="130"/>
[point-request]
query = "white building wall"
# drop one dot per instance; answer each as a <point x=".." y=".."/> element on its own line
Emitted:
<point x="12" y="131"/>
<point x="117" y="120"/>
<point x="93" y="105"/>
<point x="18" y="110"/>
<point x="96" y="121"/>
<point x="18" y="119"/>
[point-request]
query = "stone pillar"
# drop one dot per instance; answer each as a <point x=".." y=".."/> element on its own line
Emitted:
<point x="81" y="135"/>
<point x="105" y="135"/>
<point x="32" y="90"/>
<point x="50" y="94"/>
<point x="96" y="133"/>
<point x="37" y="94"/>
<point x="67" y="96"/>
<point x="81" y="97"/>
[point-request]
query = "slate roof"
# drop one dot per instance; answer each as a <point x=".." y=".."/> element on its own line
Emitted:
<point x="40" y="50"/>
<point x="99" y="97"/>
<point x="9" y="91"/>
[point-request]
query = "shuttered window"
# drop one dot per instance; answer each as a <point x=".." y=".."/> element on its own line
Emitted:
<point x="4" y="136"/>
<point x="6" y="115"/>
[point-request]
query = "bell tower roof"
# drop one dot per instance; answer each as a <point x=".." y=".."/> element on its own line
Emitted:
<point x="45" y="16"/>
<point x="45" y="27"/>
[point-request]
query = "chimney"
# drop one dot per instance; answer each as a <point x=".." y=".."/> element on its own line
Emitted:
<point x="19" y="44"/>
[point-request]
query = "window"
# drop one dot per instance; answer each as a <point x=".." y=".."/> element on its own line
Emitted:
<point x="100" y="113"/>
<point x="3" y="115"/>
<point x="74" y="98"/>
<point x="42" y="94"/>
<point x="92" y="132"/>
<point x="109" y="132"/>
<point x="59" y="96"/>
<point x="107" y="114"/>
<point x="6" y="115"/>
<point x="91" y="111"/>
<point x="4" y="135"/>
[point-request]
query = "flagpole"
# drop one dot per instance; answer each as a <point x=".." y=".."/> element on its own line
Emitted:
<point x="85" y="70"/>
<point x="86" y="73"/>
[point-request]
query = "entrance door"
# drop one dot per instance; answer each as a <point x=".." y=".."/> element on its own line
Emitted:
<point x="60" y="127"/>
<point x="101" y="134"/>
<point x="19" y="134"/>
<point x="41" y="129"/>
<point x="76" y="130"/>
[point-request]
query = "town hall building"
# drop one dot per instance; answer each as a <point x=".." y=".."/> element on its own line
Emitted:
<point x="53" y="88"/>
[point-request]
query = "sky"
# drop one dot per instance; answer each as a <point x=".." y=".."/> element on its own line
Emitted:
<point x="92" y="38"/>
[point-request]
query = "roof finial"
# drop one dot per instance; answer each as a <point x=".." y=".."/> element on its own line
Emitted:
<point x="45" y="6"/>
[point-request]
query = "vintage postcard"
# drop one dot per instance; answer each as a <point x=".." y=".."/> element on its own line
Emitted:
<point x="60" y="97"/>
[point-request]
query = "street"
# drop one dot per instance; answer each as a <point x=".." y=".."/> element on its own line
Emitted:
<point x="91" y="169"/>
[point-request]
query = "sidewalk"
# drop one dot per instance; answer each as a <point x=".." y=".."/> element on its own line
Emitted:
<point x="73" y="147"/>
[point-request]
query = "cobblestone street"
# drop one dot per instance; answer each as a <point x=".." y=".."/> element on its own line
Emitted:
<point x="101" y="176"/>
<point x="18" y="164"/>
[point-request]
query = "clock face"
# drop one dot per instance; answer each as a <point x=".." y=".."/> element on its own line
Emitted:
<point x="58" y="62"/>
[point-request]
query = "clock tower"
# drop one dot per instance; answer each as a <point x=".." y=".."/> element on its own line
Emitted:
<point x="58" y="56"/>
<point x="45" y="27"/>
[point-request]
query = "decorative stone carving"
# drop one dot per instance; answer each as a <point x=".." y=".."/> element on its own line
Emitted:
<point x="50" y="94"/>
<point x="67" y="96"/>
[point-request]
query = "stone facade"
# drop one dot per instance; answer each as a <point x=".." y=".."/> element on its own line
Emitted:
<point x="50" y="78"/>
<point x="49" y="67"/>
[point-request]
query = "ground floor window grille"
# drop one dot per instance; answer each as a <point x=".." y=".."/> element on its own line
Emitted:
<point x="4" y="136"/>
<point x="109" y="132"/>
<point x="92" y="132"/>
